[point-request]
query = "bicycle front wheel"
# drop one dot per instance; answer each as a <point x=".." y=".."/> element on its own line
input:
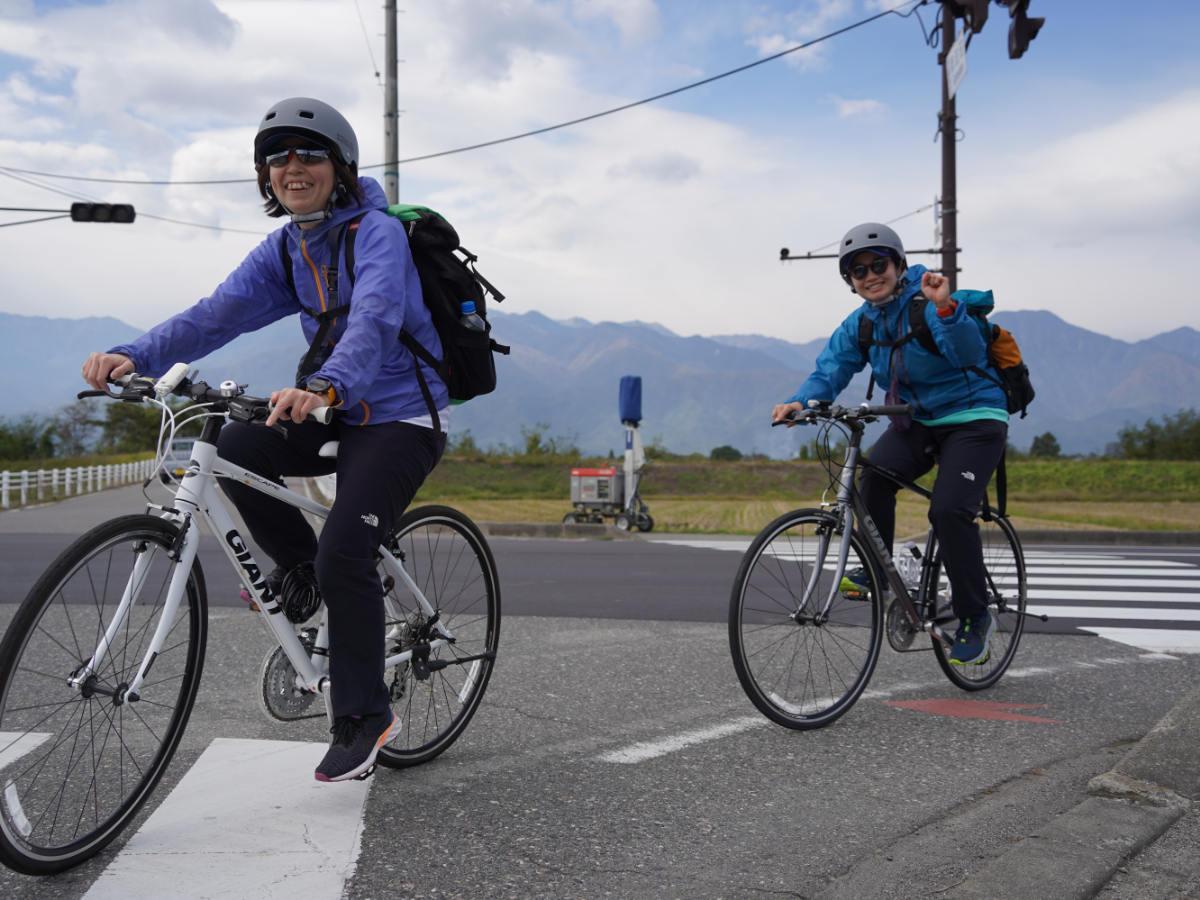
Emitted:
<point x="1007" y="590"/>
<point x="448" y="558"/>
<point x="77" y="763"/>
<point x="804" y="662"/>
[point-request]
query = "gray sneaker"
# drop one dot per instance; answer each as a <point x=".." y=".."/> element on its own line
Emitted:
<point x="356" y="743"/>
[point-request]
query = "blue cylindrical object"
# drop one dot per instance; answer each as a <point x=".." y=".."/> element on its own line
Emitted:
<point x="631" y="398"/>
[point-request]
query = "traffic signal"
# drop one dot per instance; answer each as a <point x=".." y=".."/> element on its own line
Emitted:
<point x="1022" y="30"/>
<point x="103" y="212"/>
<point x="974" y="11"/>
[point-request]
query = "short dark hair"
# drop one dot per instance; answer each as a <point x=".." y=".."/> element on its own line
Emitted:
<point x="345" y="176"/>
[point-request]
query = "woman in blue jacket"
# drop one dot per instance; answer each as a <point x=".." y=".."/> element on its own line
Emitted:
<point x="959" y="412"/>
<point x="391" y="436"/>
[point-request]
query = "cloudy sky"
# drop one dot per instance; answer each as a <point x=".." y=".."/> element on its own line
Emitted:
<point x="1079" y="165"/>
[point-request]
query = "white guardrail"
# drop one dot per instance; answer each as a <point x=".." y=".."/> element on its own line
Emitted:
<point x="39" y="485"/>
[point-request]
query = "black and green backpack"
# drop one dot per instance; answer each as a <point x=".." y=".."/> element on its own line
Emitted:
<point x="447" y="281"/>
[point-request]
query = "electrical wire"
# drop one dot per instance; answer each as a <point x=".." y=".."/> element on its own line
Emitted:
<point x="889" y="222"/>
<point x="86" y="198"/>
<point x="370" y="51"/>
<point x="516" y="137"/>
<point x="31" y="221"/>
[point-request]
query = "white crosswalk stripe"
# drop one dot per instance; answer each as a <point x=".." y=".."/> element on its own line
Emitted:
<point x="1091" y="589"/>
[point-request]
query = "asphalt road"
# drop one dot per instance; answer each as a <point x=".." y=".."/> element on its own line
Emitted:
<point x="615" y="755"/>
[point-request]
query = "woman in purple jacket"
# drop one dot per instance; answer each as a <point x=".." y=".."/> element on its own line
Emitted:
<point x="391" y="435"/>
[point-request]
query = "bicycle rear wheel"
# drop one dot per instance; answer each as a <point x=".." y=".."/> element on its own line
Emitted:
<point x="1007" y="589"/>
<point x="76" y="764"/>
<point x="803" y="666"/>
<point x="447" y="556"/>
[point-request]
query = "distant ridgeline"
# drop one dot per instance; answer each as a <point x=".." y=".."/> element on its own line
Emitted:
<point x="699" y="393"/>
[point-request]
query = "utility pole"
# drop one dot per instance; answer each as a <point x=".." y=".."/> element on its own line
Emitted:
<point x="391" y="114"/>
<point x="949" y="131"/>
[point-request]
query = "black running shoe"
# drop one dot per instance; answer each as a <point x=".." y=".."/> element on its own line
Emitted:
<point x="356" y="743"/>
<point x="972" y="640"/>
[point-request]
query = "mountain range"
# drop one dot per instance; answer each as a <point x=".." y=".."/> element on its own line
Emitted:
<point x="699" y="392"/>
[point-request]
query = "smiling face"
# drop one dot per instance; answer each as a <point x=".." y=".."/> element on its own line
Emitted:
<point x="303" y="188"/>
<point x="872" y="287"/>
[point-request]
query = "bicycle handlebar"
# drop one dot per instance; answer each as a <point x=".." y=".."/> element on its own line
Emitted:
<point x="839" y="413"/>
<point x="227" y="398"/>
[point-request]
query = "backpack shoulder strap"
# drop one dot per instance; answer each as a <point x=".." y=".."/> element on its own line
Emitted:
<point x="918" y="327"/>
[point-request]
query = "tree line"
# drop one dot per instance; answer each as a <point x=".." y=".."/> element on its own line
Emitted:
<point x="84" y="428"/>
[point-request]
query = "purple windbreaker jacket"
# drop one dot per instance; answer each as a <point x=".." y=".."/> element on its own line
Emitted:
<point x="372" y="372"/>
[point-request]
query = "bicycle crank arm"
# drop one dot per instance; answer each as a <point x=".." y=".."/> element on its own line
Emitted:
<point x="436" y="665"/>
<point x="936" y="631"/>
<point x="1038" y="616"/>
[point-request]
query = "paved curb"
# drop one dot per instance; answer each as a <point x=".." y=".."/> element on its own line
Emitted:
<point x="1075" y="854"/>
<point x="554" y="530"/>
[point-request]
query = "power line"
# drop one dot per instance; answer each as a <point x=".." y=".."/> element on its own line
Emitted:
<point x="889" y="222"/>
<point x="537" y="131"/>
<point x="85" y="197"/>
<point x="31" y="221"/>
<point x="367" y="38"/>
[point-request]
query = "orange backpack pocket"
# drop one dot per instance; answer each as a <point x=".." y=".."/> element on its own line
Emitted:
<point x="1005" y="352"/>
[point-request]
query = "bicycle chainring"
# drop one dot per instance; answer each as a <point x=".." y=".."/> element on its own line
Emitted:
<point x="279" y="698"/>
<point x="901" y="633"/>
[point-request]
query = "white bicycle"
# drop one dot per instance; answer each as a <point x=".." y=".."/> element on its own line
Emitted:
<point x="100" y="666"/>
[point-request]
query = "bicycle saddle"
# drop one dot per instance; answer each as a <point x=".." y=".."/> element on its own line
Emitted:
<point x="329" y="449"/>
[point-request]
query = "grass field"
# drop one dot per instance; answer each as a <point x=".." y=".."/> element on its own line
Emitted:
<point x="749" y="515"/>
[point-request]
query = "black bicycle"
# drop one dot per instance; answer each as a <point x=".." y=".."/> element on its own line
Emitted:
<point x="805" y="641"/>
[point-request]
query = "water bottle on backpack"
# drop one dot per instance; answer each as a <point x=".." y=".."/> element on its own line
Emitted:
<point x="470" y="318"/>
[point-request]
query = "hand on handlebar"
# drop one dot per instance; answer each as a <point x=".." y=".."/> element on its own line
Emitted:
<point x="99" y="368"/>
<point x="783" y="411"/>
<point x="294" y="405"/>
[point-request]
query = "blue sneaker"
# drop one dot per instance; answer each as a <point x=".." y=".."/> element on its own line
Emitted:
<point x="855" y="586"/>
<point x="972" y="639"/>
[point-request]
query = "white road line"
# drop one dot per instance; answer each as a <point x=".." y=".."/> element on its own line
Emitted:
<point x="1142" y="582"/>
<point x="14" y="745"/>
<point x="1116" y="596"/>
<point x="247" y="820"/>
<point x="636" y="753"/>
<point x="1156" y="640"/>
<point x="1116" y="612"/>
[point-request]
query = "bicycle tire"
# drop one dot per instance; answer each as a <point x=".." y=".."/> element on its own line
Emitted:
<point x="802" y="674"/>
<point x="76" y="766"/>
<point x="447" y="556"/>
<point x="1005" y="564"/>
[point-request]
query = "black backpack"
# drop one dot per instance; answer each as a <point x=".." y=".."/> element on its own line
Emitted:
<point x="467" y="366"/>
<point x="1002" y="351"/>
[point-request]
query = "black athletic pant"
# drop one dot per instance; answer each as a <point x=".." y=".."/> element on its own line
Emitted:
<point x="969" y="453"/>
<point x="379" y="469"/>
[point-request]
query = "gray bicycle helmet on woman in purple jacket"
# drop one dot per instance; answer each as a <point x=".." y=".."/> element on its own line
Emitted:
<point x="311" y="119"/>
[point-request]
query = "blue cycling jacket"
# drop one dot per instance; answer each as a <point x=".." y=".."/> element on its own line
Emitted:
<point x="937" y="386"/>
<point x="372" y="372"/>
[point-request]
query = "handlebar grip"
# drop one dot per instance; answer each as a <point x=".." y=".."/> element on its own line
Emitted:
<point x="323" y="414"/>
<point x="903" y="409"/>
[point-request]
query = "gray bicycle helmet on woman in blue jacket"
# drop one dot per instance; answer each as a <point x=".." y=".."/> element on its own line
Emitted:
<point x="874" y="237"/>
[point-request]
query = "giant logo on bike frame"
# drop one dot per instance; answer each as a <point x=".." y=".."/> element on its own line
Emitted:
<point x="253" y="574"/>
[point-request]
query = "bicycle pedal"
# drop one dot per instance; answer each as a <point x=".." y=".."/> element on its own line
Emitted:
<point x="854" y="595"/>
<point x="367" y="774"/>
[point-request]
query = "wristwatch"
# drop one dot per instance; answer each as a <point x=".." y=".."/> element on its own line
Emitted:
<point x="323" y="387"/>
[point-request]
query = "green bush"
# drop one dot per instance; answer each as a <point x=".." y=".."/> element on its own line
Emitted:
<point x="1178" y="437"/>
<point x="725" y="454"/>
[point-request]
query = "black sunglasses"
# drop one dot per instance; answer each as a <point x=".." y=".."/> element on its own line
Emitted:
<point x="304" y="155"/>
<point x="859" y="272"/>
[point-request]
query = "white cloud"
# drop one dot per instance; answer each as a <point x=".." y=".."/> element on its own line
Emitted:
<point x="665" y="168"/>
<point x="651" y="214"/>
<point x="861" y="109"/>
<point x="637" y="20"/>
<point x="773" y="33"/>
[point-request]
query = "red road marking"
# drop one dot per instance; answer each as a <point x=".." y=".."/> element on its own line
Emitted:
<point x="973" y="709"/>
